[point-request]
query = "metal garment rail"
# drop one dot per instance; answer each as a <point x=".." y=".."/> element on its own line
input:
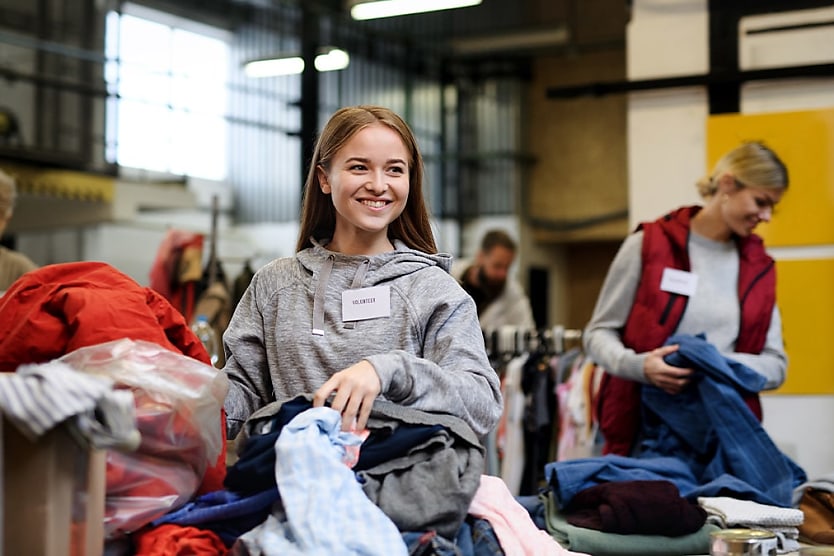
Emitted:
<point x="508" y="341"/>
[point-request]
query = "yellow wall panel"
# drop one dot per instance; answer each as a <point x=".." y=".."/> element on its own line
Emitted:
<point x="804" y="217"/>
<point x="805" y="294"/>
<point x="805" y="141"/>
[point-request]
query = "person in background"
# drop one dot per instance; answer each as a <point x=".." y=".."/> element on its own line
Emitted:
<point x="698" y="269"/>
<point x="13" y="265"/>
<point x="499" y="298"/>
<point x="366" y="308"/>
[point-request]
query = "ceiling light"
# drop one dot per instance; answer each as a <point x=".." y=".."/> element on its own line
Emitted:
<point x="274" y="66"/>
<point x="529" y="39"/>
<point x="332" y="60"/>
<point x="364" y="9"/>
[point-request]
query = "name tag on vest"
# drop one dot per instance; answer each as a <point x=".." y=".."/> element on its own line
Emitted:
<point x="678" y="281"/>
<point x="366" y="303"/>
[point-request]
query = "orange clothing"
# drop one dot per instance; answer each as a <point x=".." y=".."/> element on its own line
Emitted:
<point x="59" y="308"/>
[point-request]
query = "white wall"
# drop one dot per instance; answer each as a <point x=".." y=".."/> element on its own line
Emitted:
<point x="666" y="150"/>
<point x="667" y="154"/>
<point x="666" y="128"/>
<point x="799" y="424"/>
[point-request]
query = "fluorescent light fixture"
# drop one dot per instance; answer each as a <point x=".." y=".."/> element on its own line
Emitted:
<point x="376" y="9"/>
<point x="332" y="60"/>
<point x="274" y="67"/>
<point x="526" y="40"/>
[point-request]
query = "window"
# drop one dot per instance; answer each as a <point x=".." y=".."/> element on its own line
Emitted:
<point x="167" y="83"/>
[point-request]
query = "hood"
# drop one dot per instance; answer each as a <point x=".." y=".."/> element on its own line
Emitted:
<point x="370" y="270"/>
<point x="382" y="267"/>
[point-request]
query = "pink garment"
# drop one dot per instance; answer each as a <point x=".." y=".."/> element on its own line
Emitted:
<point x="512" y="524"/>
<point x="351" y="455"/>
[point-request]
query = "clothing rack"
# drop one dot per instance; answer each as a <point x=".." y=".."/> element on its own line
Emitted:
<point x="212" y="265"/>
<point x="511" y="341"/>
<point x="531" y="363"/>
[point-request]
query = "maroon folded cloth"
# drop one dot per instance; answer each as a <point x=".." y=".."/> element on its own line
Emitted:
<point x="635" y="507"/>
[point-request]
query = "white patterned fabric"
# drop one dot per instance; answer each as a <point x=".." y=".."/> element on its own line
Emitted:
<point x="325" y="512"/>
<point x="729" y="512"/>
<point x="733" y="512"/>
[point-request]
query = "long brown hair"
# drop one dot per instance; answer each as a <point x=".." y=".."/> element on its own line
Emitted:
<point x="318" y="216"/>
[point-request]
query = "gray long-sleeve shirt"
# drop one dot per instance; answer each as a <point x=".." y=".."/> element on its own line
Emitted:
<point x="713" y="309"/>
<point x="288" y="335"/>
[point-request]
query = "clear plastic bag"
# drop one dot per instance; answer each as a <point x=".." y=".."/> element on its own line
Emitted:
<point x="178" y="411"/>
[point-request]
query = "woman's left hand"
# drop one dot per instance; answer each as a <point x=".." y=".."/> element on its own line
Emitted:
<point x="356" y="389"/>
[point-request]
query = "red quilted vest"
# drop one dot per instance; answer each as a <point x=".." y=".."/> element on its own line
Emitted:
<point x="655" y="315"/>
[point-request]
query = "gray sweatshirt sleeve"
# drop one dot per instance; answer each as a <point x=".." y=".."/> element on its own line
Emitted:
<point x="772" y="362"/>
<point x="601" y="338"/>
<point x="246" y="367"/>
<point x="453" y="374"/>
<point x="603" y="343"/>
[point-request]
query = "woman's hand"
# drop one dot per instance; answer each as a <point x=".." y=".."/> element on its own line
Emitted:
<point x="671" y="380"/>
<point x="356" y="389"/>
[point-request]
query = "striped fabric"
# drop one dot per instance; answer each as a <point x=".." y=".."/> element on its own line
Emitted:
<point x="37" y="398"/>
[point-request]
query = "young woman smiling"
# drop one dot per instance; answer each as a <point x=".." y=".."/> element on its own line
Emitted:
<point x="366" y="308"/>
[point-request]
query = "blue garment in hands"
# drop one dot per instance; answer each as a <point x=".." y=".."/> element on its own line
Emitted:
<point x="704" y="440"/>
<point x="710" y="426"/>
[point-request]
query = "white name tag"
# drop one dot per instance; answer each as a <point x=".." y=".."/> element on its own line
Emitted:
<point x="366" y="303"/>
<point x="678" y="281"/>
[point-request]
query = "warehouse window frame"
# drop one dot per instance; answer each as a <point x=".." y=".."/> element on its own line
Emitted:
<point x="167" y="93"/>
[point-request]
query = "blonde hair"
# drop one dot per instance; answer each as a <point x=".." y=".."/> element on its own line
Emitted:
<point x="8" y="194"/>
<point x="751" y="163"/>
<point x="318" y="216"/>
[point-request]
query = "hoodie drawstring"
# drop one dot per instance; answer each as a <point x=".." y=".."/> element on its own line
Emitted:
<point x="318" y="297"/>
<point x="321" y="288"/>
<point x="357" y="281"/>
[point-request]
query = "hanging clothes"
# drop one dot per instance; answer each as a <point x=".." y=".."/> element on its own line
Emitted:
<point x="213" y="273"/>
<point x="531" y="363"/>
<point x="509" y="438"/>
<point x="577" y="428"/>
<point x="177" y="270"/>
<point x="539" y="409"/>
<point x="216" y="305"/>
<point x="241" y="282"/>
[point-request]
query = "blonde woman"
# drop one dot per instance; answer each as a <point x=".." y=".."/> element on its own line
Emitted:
<point x="698" y="269"/>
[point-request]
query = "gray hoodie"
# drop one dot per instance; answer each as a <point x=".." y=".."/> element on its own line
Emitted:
<point x="287" y="335"/>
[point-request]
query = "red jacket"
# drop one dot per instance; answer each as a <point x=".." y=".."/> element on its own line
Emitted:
<point x="655" y="316"/>
<point x="59" y="308"/>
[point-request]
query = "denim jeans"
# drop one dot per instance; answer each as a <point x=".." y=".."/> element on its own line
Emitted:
<point x="476" y="537"/>
<point x="484" y="541"/>
<point x="429" y="543"/>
